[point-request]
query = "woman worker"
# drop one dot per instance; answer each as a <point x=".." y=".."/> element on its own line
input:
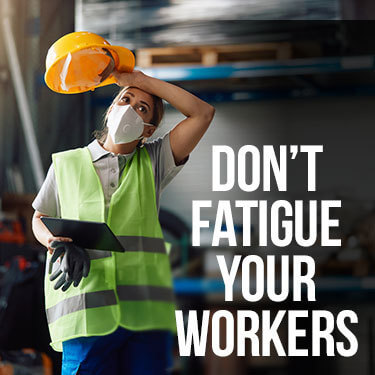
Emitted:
<point x="119" y="318"/>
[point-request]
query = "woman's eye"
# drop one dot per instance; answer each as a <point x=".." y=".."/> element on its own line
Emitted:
<point x="142" y="109"/>
<point x="125" y="99"/>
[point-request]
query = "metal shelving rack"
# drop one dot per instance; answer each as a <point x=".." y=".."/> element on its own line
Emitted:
<point x="264" y="68"/>
<point x="192" y="74"/>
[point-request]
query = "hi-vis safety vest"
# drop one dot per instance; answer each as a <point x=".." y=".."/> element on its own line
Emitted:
<point x="131" y="289"/>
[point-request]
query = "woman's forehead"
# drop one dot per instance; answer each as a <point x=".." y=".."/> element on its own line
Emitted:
<point x="139" y="94"/>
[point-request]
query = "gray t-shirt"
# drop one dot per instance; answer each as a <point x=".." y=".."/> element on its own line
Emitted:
<point x="109" y="166"/>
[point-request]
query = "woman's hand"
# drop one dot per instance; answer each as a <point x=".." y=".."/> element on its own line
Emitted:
<point x="53" y="238"/>
<point x="128" y="79"/>
<point x="42" y="234"/>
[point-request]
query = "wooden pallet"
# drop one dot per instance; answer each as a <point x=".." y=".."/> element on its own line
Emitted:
<point x="212" y="55"/>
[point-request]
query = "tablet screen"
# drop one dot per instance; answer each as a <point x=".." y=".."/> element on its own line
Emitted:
<point x="87" y="234"/>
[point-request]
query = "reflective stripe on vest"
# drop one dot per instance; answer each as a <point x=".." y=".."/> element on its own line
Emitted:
<point x="108" y="298"/>
<point x="145" y="293"/>
<point x="139" y="243"/>
<point x="98" y="254"/>
<point x="139" y="279"/>
<point x="80" y="302"/>
<point x="133" y="243"/>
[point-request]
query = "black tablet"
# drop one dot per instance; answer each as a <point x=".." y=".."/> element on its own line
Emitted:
<point x="87" y="234"/>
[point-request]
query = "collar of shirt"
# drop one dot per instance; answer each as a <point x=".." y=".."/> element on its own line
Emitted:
<point x="97" y="152"/>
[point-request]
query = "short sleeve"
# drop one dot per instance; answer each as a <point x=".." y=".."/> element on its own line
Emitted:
<point x="163" y="164"/>
<point x="47" y="201"/>
<point x="162" y="160"/>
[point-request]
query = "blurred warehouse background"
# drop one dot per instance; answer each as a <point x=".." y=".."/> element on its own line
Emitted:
<point x="277" y="72"/>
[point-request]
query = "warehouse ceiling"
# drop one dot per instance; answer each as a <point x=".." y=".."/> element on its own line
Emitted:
<point x="159" y="23"/>
<point x="141" y="23"/>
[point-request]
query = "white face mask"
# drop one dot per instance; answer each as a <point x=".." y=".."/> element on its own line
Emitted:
<point x="124" y="124"/>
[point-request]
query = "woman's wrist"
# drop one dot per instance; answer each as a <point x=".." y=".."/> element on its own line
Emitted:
<point x="140" y="80"/>
<point x="151" y="85"/>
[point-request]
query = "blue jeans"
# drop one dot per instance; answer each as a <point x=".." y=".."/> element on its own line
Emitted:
<point x="121" y="352"/>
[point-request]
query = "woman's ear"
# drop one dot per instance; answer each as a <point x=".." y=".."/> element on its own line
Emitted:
<point x="148" y="131"/>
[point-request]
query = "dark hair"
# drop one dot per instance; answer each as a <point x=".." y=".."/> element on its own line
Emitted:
<point x="158" y="113"/>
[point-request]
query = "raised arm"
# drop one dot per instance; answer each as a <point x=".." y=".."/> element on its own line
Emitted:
<point x="199" y="114"/>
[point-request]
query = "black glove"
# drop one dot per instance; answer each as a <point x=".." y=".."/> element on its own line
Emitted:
<point x="75" y="264"/>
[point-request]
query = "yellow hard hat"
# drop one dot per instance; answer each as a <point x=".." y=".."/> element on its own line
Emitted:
<point x="74" y="63"/>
